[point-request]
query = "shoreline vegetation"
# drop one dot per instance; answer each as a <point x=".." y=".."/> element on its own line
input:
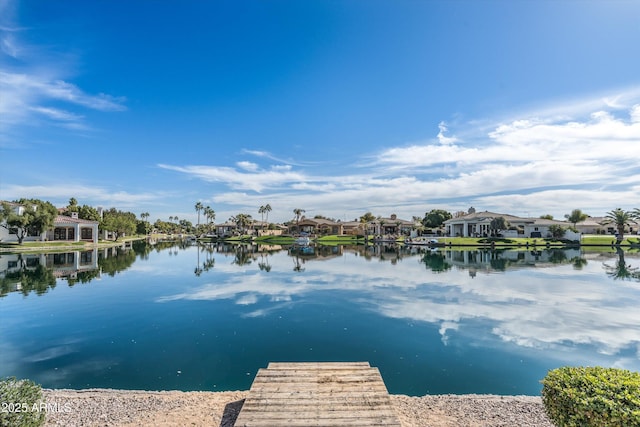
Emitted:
<point x="461" y="243"/>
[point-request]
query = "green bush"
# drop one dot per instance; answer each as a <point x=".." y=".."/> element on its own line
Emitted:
<point x="592" y="397"/>
<point x="20" y="400"/>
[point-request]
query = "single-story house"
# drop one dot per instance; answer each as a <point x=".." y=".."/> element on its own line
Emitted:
<point x="318" y="226"/>
<point x="600" y="225"/>
<point x="391" y="226"/>
<point x="478" y="224"/>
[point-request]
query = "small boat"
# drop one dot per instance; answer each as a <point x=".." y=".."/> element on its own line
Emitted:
<point x="302" y="241"/>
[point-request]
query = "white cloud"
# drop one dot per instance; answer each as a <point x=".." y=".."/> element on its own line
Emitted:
<point x="254" y="179"/>
<point x="38" y="84"/>
<point x="248" y="166"/>
<point x="540" y="163"/>
<point x="445" y="140"/>
<point x="524" y="307"/>
<point x="635" y="113"/>
<point x="59" y="193"/>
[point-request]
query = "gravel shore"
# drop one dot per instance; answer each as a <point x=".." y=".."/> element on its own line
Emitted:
<point x="101" y="407"/>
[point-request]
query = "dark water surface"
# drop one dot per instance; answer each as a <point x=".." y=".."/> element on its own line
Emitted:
<point x="189" y="318"/>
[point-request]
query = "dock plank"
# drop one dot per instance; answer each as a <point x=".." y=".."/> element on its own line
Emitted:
<point x="318" y="394"/>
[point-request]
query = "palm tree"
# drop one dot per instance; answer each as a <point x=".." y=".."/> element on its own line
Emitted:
<point x="210" y="215"/>
<point x="261" y="212"/>
<point x="267" y="209"/>
<point x="635" y="215"/>
<point x="622" y="270"/>
<point x="199" y="207"/>
<point x="620" y="218"/>
<point x="298" y="212"/>
<point x="241" y="220"/>
<point x="145" y="216"/>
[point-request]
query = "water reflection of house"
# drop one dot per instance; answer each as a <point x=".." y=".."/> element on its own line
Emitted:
<point x="12" y="263"/>
<point x="69" y="264"/>
<point x="486" y="259"/>
<point x="62" y="265"/>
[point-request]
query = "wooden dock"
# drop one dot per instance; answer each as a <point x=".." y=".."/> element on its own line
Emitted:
<point x="318" y="394"/>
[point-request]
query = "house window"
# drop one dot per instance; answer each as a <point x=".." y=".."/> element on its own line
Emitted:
<point x="63" y="259"/>
<point x="63" y="233"/>
<point x="535" y="228"/>
<point x="59" y="233"/>
<point x="86" y="257"/>
<point x="86" y="233"/>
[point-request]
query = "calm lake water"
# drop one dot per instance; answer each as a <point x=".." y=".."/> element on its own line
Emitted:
<point x="207" y="318"/>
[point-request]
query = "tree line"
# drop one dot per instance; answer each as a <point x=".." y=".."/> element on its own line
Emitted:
<point x="38" y="216"/>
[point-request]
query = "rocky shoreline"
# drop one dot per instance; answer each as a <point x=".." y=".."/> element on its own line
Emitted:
<point x="104" y="407"/>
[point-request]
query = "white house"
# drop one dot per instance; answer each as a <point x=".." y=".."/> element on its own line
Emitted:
<point x="73" y="229"/>
<point x="65" y="228"/>
<point x="478" y="224"/>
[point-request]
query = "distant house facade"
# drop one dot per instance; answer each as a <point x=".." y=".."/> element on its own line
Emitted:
<point x="391" y="226"/>
<point x="316" y="226"/>
<point x="600" y="225"/>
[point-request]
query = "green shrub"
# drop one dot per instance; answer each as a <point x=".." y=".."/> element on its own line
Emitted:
<point x="592" y="396"/>
<point x="20" y="400"/>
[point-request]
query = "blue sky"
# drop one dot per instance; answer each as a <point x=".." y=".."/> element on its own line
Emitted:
<point x="335" y="107"/>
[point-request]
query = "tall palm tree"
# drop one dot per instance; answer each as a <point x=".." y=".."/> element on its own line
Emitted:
<point x="145" y="216"/>
<point x="199" y="207"/>
<point x="635" y="214"/>
<point x="210" y="215"/>
<point x="620" y="218"/>
<point x="261" y="212"/>
<point x="298" y="212"/>
<point x="267" y="209"/>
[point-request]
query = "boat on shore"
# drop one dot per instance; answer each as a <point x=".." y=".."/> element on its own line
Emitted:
<point x="302" y="241"/>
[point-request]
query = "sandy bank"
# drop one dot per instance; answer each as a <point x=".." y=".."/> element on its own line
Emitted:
<point x="100" y="407"/>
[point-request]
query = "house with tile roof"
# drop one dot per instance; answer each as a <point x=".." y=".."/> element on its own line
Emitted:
<point x="69" y="229"/>
<point x="478" y="224"/>
<point x="73" y="229"/>
<point x="391" y="226"/>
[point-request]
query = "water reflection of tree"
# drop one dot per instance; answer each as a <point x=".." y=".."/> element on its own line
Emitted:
<point x="297" y="265"/>
<point x="243" y="255"/>
<point x="557" y="256"/>
<point x="83" y="277"/>
<point x="264" y="265"/>
<point x="621" y="270"/>
<point x="578" y="262"/>
<point x="142" y="248"/>
<point x="436" y="261"/>
<point x="116" y="260"/>
<point x="39" y="279"/>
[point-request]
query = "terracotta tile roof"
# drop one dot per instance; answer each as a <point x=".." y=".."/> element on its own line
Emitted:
<point x="61" y="219"/>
